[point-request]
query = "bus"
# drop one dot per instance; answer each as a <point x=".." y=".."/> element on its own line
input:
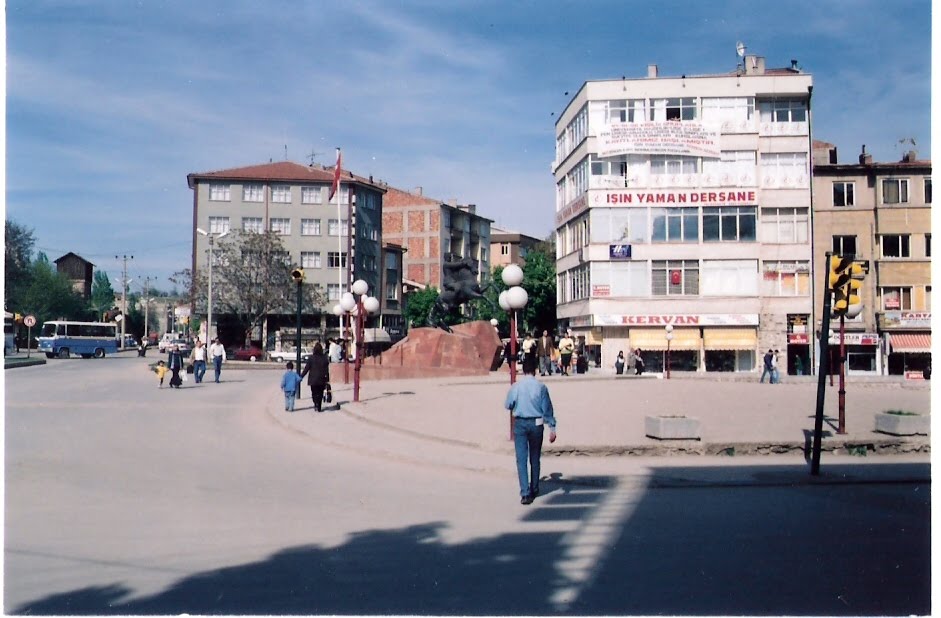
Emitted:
<point x="62" y="338"/>
<point x="9" y="333"/>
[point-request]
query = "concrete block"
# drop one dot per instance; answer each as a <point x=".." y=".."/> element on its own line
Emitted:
<point x="902" y="424"/>
<point x="671" y="427"/>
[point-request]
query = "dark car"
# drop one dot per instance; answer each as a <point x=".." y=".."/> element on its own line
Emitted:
<point x="249" y="353"/>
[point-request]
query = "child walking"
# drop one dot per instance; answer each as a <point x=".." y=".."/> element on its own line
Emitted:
<point x="290" y="384"/>
<point x="161" y="371"/>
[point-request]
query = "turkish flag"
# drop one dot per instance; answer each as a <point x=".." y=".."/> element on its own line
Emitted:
<point x="336" y="177"/>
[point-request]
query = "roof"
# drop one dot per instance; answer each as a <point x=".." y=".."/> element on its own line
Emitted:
<point x="286" y="171"/>
<point x="70" y="254"/>
<point x="498" y="234"/>
<point x="397" y="198"/>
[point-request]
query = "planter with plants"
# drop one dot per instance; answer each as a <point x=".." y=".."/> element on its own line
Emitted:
<point x="902" y="423"/>
<point x="672" y="427"/>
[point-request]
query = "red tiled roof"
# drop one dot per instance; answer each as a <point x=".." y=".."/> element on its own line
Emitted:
<point x="282" y="171"/>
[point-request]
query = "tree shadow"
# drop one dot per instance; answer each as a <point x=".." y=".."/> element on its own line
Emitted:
<point x="683" y="541"/>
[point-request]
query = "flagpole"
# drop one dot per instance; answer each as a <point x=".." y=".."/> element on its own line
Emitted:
<point x="344" y="319"/>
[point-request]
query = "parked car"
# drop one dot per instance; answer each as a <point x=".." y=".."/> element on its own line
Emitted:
<point x="249" y="353"/>
<point x="185" y="346"/>
<point x="288" y="355"/>
<point x="166" y="339"/>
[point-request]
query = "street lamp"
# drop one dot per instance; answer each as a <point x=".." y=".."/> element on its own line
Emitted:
<point x="297" y="275"/>
<point x="669" y="329"/>
<point x="358" y="304"/>
<point x="512" y="300"/>
<point x="212" y="240"/>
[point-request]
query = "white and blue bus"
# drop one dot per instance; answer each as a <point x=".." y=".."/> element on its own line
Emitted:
<point x="9" y="333"/>
<point x="62" y="338"/>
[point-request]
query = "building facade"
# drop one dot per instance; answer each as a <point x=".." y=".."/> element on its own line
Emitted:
<point x="509" y="247"/>
<point x="686" y="201"/>
<point x="433" y="232"/>
<point x="79" y="271"/>
<point x="880" y="214"/>
<point x="335" y="242"/>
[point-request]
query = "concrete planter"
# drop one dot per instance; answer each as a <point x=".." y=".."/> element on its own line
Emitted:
<point x="902" y="424"/>
<point x="671" y="427"/>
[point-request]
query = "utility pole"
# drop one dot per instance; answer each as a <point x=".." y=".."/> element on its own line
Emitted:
<point x="146" y="300"/>
<point x="123" y="296"/>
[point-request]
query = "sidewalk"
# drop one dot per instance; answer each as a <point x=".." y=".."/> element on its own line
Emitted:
<point x="603" y="415"/>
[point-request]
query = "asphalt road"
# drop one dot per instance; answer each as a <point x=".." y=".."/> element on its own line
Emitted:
<point x="125" y="499"/>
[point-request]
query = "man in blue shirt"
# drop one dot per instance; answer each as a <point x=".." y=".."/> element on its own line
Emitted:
<point x="529" y="403"/>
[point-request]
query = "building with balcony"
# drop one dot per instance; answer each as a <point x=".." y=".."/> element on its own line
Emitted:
<point x="880" y="214"/>
<point x="509" y="247"/>
<point x="335" y="242"/>
<point x="686" y="201"/>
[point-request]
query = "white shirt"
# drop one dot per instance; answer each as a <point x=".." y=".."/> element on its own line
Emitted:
<point x="217" y="349"/>
<point x="199" y="353"/>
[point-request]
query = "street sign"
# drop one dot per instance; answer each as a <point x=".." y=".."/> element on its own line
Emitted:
<point x="30" y="321"/>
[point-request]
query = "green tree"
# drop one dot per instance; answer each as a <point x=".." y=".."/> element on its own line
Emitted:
<point x="539" y="281"/>
<point x="50" y="295"/>
<point x="17" y="265"/>
<point x="102" y="294"/>
<point x="418" y="305"/>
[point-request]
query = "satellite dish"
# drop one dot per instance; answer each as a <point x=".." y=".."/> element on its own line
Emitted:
<point x="740" y="49"/>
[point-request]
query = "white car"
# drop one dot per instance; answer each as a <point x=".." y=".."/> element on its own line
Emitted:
<point x="288" y="355"/>
<point x="167" y="339"/>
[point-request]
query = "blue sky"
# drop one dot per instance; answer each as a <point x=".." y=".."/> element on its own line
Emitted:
<point x="110" y="104"/>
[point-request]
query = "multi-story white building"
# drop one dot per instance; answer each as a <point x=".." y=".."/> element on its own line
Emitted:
<point x="686" y="201"/>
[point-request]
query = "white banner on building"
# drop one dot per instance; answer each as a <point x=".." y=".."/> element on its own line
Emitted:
<point x="710" y="319"/>
<point x="670" y="138"/>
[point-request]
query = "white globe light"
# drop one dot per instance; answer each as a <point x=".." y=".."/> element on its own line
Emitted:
<point x="371" y="304"/>
<point x="347" y="302"/>
<point x="512" y="275"/>
<point x="669" y="328"/>
<point x="494" y="322"/>
<point x="337" y="310"/>
<point x="854" y="310"/>
<point x="503" y="302"/>
<point x="360" y="287"/>
<point x="517" y="297"/>
<point x="669" y="336"/>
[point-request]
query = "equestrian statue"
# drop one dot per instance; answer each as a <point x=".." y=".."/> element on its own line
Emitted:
<point x="459" y="285"/>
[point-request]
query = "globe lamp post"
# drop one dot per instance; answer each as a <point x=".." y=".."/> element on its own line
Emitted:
<point x="669" y="329"/>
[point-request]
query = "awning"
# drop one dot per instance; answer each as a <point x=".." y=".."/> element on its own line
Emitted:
<point x="730" y="338"/>
<point x="376" y="335"/>
<point x="656" y="339"/>
<point x="919" y="343"/>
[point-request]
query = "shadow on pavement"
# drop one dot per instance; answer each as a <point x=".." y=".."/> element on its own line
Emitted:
<point x="681" y="541"/>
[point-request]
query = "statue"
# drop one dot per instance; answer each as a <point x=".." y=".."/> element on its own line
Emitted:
<point x="459" y="285"/>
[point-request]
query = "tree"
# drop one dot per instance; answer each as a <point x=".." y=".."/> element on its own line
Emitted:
<point x="418" y="305"/>
<point x="102" y="294"/>
<point x="50" y="295"/>
<point x="17" y="266"/>
<point x="251" y="280"/>
<point x="539" y="281"/>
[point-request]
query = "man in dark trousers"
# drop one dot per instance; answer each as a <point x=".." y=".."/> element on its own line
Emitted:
<point x="768" y="367"/>
<point x="529" y="403"/>
<point x="545" y="347"/>
<point x="318" y="368"/>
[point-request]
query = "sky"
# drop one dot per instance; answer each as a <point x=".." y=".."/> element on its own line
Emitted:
<point x="110" y="104"/>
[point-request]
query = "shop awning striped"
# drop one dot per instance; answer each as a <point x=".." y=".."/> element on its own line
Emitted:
<point x="730" y="338"/>
<point x="911" y="342"/>
<point x="656" y="339"/>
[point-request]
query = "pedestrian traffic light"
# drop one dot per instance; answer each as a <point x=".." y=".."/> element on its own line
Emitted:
<point x="297" y="275"/>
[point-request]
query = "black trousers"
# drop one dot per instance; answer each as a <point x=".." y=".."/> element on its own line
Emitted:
<point x="316" y="393"/>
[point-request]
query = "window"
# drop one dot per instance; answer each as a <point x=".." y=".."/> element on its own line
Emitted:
<point x="281" y="226"/>
<point x="845" y="246"/>
<point x="392" y="261"/>
<point x="844" y="193"/>
<point x="673" y="164"/>
<point x="334" y="228"/>
<point x="927" y="245"/>
<point x="675" y="225"/>
<point x="335" y="259"/>
<point x="785" y="225"/>
<point x="790" y="278"/>
<point x="282" y="256"/>
<point x="623" y="279"/>
<point x="392" y="290"/>
<point x="505" y="248"/>
<point x="896" y="298"/>
<point x="895" y="191"/>
<point x="369" y="263"/>
<point x="310" y="259"/>
<point x="729" y="278"/>
<point x="675" y="277"/>
<point x="218" y="225"/>
<point x="311" y="195"/>
<point x="281" y="194"/>
<point x="333" y="291"/>
<point x="728" y="110"/>
<point x="218" y="192"/>
<point x="927" y="190"/>
<point x="783" y="110"/>
<point x="310" y="227"/>
<point x="896" y="246"/>
<point x="630" y="110"/>
<point x="782" y="164"/>
<point x="673" y="109"/>
<point x="729" y="224"/>
<point x="253" y="224"/>
<point x="253" y="193"/>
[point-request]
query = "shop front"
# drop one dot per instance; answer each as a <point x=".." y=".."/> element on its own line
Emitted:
<point x="908" y="342"/>
<point x="683" y="349"/>
<point x="730" y="349"/>
<point x="798" y="344"/>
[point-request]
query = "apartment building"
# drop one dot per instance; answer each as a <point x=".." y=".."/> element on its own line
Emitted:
<point x="335" y="243"/>
<point x="509" y="247"/>
<point x="879" y="213"/>
<point x="686" y="201"/>
<point x="433" y="232"/>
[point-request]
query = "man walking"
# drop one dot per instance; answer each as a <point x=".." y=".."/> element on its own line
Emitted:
<point x="217" y="351"/>
<point x="545" y="348"/>
<point x="529" y="403"/>
<point x="566" y="348"/>
<point x="768" y="361"/>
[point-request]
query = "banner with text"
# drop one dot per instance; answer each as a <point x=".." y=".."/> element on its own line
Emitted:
<point x="691" y="139"/>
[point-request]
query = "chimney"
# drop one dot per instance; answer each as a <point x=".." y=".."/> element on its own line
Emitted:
<point x="417" y="191"/>
<point x="452" y="202"/>
<point x="754" y="65"/>
<point x="652" y="71"/>
<point x="794" y="66"/>
<point x="864" y="157"/>
<point x="910" y="157"/>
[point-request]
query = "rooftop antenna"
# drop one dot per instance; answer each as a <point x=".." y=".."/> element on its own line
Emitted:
<point x="313" y="155"/>
<point x="285" y="152"/>
<point x="740" y="49"/>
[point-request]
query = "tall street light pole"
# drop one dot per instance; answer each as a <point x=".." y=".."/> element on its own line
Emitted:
<point x="209" y="307"/>
<point x="669" y="329"/>
<point x="298" y="276"/>
<point x="359" y="304"/>
<point x="513" y="299"/>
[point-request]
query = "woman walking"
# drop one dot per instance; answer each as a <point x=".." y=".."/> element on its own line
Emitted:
<point x="318" y="366"/>
<point x="175" y="363"/>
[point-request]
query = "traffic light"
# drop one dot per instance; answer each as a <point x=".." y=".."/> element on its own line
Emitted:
<point x="845" y="279"/>
<point x="297" y="275"/>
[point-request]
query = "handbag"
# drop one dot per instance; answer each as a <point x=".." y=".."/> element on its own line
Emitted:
<point x="182" y="376"/>
<point x="327" y="393"/>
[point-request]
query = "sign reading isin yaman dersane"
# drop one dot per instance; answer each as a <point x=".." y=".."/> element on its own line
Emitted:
<point x="671" y="137"/>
